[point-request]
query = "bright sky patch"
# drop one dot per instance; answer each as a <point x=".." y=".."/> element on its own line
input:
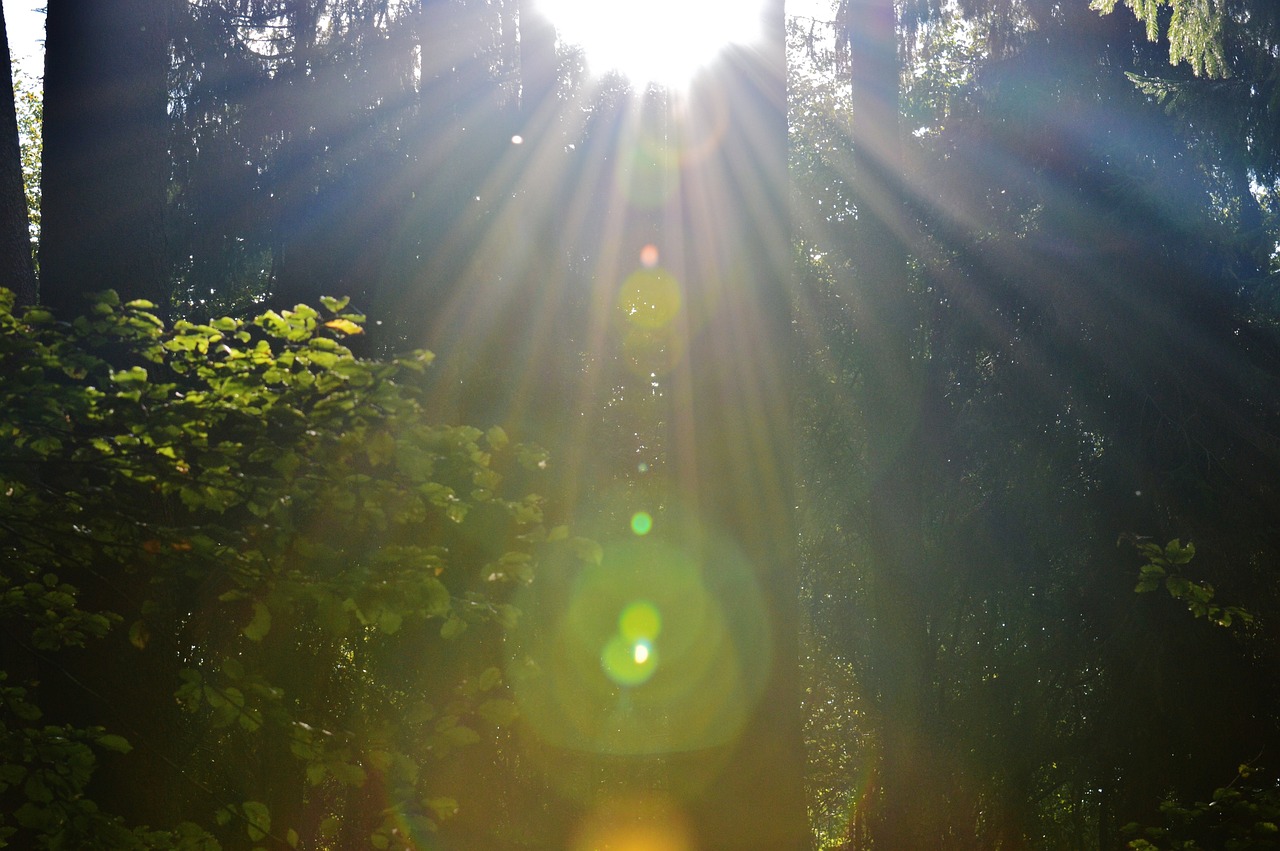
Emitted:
<point x="659" y="41"/>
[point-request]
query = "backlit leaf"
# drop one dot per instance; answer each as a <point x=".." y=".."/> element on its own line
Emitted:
<point x="258" y="818"/>
<point x="344" y="326"/>
<point x="260" y="625"/>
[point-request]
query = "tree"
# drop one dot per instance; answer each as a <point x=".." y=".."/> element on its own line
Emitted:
<point x="105" y="168"/>
<point x="1062" y="378"/>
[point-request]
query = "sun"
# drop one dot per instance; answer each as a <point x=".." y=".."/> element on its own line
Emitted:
<point x="656" y="41"/>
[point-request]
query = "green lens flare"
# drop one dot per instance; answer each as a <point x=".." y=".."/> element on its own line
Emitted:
<point x="650" y="298"/>
<point x="641" y="522"/>
<point x="640" y="621"/>
<point x="628" y="663"/>
<point x="663" y="646"/>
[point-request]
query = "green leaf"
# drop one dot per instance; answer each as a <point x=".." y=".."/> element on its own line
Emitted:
<point x="37" y="790"/>
<point x="260" y="625"/>
<point x="258" y="817"/>
<point x="139" y="634"/>
<point x="444" y="808"/>
<point x="112" y="742"/>
<point x="452" y="628"/>
<point x="437" y="597"/>
<point x="1177" y="553"/>
<point x="344" y="326"/>
<point x="499" y="712"/>
<point x="497" y="438"/>
<point x="128" y="377"/>
<point x="316" y="773"/>
<point x="348" y="773"/>
<point x="489" y="680"/>
<point x="329" y="827"/>
<point x="508" y="616"/>
<point x="460" y="736"/>
<point x="389" y="621"/>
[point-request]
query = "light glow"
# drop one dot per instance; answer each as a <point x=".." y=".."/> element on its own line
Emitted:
<point x="659" y="41"/>
<point x="641" y="522"/>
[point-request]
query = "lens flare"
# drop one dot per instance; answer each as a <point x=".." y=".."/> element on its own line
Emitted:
<point x="650" y="298"/>
<point x="640" y="621"/>
<point x="628" y="663"/>
<point x="641" y="523"/>
<point x="662" y="647"/>
<point x="636" y="823"/>
<point x="649" y="256"/>
<point x="638" y="628"/>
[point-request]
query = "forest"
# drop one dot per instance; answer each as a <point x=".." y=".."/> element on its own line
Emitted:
<point x="420" y="431"/>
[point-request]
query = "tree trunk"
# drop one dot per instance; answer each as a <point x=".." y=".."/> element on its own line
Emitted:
<point x="908" y="810"/>
<point x="729" y="421"/>
<point x="16" y="269"/>
<point x="105" y="164"/>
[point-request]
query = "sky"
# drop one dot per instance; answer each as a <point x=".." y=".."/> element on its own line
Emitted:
<point x="24" y="19"/>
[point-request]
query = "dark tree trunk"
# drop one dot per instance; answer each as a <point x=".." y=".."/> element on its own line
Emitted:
<point x="908" y="810"/>
<point x="105" y="151"/>
<point x="16" y="269"/>
<point x="299" y="261"/>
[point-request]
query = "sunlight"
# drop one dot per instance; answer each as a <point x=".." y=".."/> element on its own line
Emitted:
<point x="662" y="41"/>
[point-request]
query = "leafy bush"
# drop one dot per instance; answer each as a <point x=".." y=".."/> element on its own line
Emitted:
<point x="254" y="559"/>
<point x="1242" y="816"/>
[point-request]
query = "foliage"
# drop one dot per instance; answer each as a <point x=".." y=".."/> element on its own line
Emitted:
<point x="1165" y="566"/>
<point x="30" y="108"/>
<point x="1244" y="815"/>
<point x="1194" y="30"/>
<point x="263" y="546"/>
<point x="1074" y="279"/>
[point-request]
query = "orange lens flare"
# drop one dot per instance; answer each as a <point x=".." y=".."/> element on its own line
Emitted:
<point x="635" y="824"/>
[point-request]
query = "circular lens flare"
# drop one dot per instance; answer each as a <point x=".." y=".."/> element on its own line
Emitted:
<point x="650" y="298"/>
<point x="629" y="658"/>
<point x="628" y="663"/>
<point x="640" y="621"/>
<point x="641" y="523"/>
<point x="662" y="646"/>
